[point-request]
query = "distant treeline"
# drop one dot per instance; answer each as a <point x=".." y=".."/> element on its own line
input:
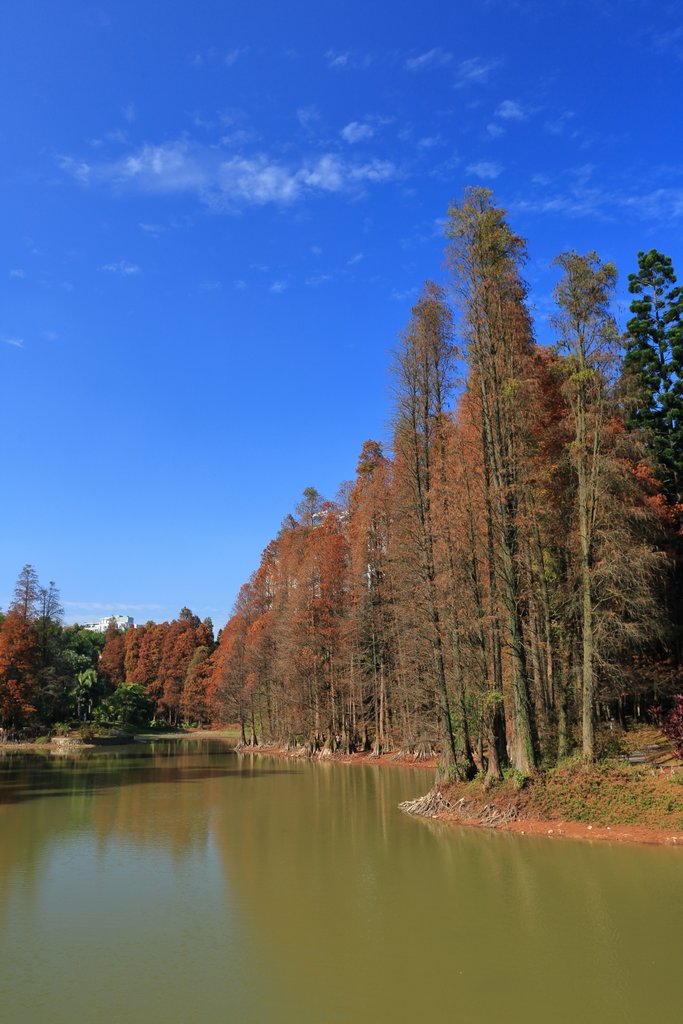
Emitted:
<point x="503" y="579"/>
<point x="54" y="675"/>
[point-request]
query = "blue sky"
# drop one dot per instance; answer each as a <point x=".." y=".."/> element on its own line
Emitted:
<point x="216" y="217"/>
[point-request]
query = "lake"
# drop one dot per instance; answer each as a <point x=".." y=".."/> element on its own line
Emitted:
<point x="177" y="881"/>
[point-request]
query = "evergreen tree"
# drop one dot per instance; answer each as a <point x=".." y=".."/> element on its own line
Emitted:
<point x="654" y="358"/>
<point x="27" y="593"/>
<point x="48" y="623"/>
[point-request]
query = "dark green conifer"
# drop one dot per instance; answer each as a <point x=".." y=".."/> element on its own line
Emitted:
<point x="654" y="359"/>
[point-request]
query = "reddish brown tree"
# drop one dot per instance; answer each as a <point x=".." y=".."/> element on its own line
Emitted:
<point x="111" y="665"/>
<point x="17" y="671"/>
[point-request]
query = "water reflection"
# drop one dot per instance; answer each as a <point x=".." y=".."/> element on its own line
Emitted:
<point x="298" y="891"/>
<point x="67" y="796"/>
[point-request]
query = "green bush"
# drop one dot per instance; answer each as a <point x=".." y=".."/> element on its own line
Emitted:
<point x="517" y="778"/>
<point x="611" y="745"/>
<point x="127" y="705"/>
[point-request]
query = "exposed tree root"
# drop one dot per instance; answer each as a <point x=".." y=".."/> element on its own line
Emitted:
<point x="420" y="751"/>
<point x="471" y="811"/>
<point x="424" y="750"/>
<point x="427" y="806"/>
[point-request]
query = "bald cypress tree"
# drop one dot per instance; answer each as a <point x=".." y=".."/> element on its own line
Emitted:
<point x="587" y="338"/>
<point x="486" y="260"/>
<point x="423" y="372"/>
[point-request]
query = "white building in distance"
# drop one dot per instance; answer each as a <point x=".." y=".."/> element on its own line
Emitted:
<point x="120" y="621"/>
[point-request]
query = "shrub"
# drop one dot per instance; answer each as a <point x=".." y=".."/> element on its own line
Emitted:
<point x="672" y="724"/>
<point x="127" y="705"/>
<point x="519" y="779"/>
<point x="611" y="745"/>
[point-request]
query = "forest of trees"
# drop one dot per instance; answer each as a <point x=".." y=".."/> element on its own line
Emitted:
<point x="506" y="576"/>
<point x="499" y="580"/>
<point x="54" y="675"/>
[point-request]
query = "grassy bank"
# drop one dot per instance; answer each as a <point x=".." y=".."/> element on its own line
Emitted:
<point x="88" y="735"/>
<point x="608" y="800"/>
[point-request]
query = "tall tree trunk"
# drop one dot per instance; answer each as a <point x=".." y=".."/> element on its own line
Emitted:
<point x="583" y="497"/>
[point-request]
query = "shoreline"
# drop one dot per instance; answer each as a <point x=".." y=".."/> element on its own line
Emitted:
<point x="387" y="760"/>
<point x="524" y="822"/>
<point x="558" y="828"/>
<point x="579" y="830"/>
<point x="51" y="747"/>
<point x="524" y="825"/>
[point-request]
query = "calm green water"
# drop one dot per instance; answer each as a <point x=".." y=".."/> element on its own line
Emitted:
<point x="180" y="882"/>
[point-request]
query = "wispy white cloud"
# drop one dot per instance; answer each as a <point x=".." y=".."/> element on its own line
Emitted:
<point x="239" y="285"/>
<point x="586" y="203"/>
<point x="317" y="279"/>
<point x="230" y="183"/>
<point x="78" y="169"/>
<point x="14" y="342"/>
<point x="129" y="113"/>
<point x="50" y="335"/>
<point x="356" y="258"/>
<point x="337" y="60"/>
<point x="167" y="168"/>
<point x="660" y="204"/>
<point x="669" y="41"/>
<point x="278" y="287"/>
<point x="507" y="112"/>
<point x="100" y="606"/>
<point x="232" y="56"/>
<point x="511" y="110"/>
<point x="426" y="231"/>
<point x="117" y="136"/>
<point x="430" y="142"/>
<point x="474" y="71"/>
<point x="436" y="58"/>
<point x="494" y="130"/>
<point x="556" y="125"/>
<point x="17" y="272"/>
<point x="151" y="229"/>
<point x="121" y="267"/>
<point x="356" y="131"/>
<point x="401" y="295"/>
<point x="308" y="117"/>
<point x="214" y="57"/>
<point x="584" y="198"/>
<point x="348" y="60"/>
<point x="486" y="169"/>
<point x="443" y="170"/>
<point x="238" y="137"/>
